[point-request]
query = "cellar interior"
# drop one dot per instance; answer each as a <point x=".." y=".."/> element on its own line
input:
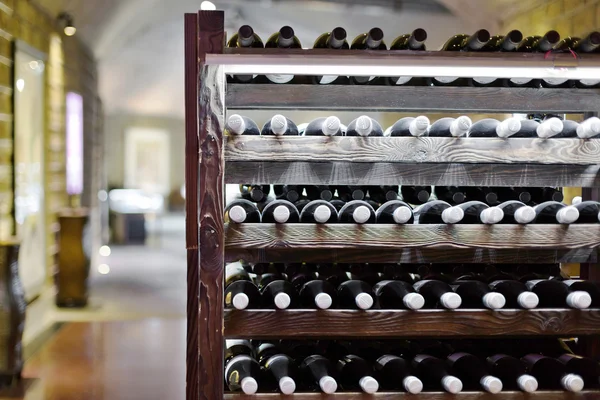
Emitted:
<point x="282" y="199"/>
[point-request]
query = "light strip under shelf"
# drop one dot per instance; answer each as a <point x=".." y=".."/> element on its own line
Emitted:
<point x="555" y="66"/>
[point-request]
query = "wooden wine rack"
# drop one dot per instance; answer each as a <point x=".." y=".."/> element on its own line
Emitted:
<point x="213" y="160"/>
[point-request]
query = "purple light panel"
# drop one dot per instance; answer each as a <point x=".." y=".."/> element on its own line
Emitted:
<point x="74" y="143"/>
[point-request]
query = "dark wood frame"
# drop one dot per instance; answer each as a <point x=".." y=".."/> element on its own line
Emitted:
<point x="211" y="160"/>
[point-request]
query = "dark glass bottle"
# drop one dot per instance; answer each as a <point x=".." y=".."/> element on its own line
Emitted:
<point x="314" y="192"/>
<point x="364" y="126"/>
<point x="279" y="125"/>
<point x="349" y="193"/>
<point x="476" y="212"/>
<point x="255" y="193"/>
<point x="356" y="374"/>
<point x="415" y="194"/>
<point x="244" y="37"/>
<point x="585" y="367"/>
<point x="450" y="127"/>
<point x="242" y="373"/>
<point x="319" y="374"/>
<point x="589" y="212"/>
<point x="280" y="211"/>
<point x="354" y="294"/>
<point x="473" y="373"/>
<point x="590" y="128"/>
<point x="382" y="194"/>
<point x="534" y="44"/>
<point x="477" y="294"/>
<point x="556" y="294"/>
<point x="551" y="373"/>
<point x="449" y="194"/>
<point x="515" y="294"/>
<point x="553" y="212"/>
<point x="319" y="212"/>
<point x="290" y="193"/>
<point x="242" y="211"/>
<point x="336" y="39"/>
<point x="240" y="291"/>
<point x="372" y="40"/>
<point x="285" y="38"/>
<point x="394" y="374"/>
<point x="357" y="212"/>
<point x="394" y="212"/>
<point x="516" y="212"/>
<point x="499" y="43"/>
<point x="324" y="126"/>
<point x="279" y="294"/>
<point x="318" y="294"/>
<point x="590" y="287"/>
<point x="434" y="374"/>
<point x="282" y="369"/>
<point x="410" y="126"/>
<point x="240" y="125"/>
<point x="512" y="372"/>
<point x="397" y="295"/>
<point x="437" y="294"/>
<point x="411" y="41"/>
<point x="490" y="127"/>
<point x="437" y="212"/>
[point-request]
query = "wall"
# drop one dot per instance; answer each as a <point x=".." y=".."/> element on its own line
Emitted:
<point x="70" y="66"/>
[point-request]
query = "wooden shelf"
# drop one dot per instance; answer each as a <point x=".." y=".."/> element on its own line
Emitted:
<point x="411" y="243"/>
<point x="541" y="395"/>
<point x="272" y="324"/>
<point x="410" y="98"/>
<point x="413" y="161"/>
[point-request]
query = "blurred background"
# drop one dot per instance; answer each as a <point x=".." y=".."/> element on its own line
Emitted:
<point x="92" y="139"/>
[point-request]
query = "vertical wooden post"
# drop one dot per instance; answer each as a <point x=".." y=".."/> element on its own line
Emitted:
<point x="191" y="195"/>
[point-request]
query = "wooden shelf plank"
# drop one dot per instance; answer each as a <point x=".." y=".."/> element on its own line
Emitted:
<point x="541" y="395"/>
<point x="410" y="98"/>
<point x="271" y="324"/>
<point x="413" y="150"/>
<point x="415" y="255"/>
<point x="301" y="238"/>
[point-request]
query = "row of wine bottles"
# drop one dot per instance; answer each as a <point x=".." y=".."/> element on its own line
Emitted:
<point x="332" y="289"/>
<point x="480" y="41"/>
<point x="404" y="366"/>
<point x="536" y="125"/>
<point x="338" y="196"/>
<point x="399" y="212"/>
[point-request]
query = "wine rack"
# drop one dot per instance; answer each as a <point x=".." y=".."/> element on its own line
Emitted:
<point x="213" y="160"/>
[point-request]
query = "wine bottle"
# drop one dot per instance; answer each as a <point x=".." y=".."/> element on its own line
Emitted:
<point x="242" y="211"/>
<point x="255" y="193"/>
<point x="504" y="194"/>
<point x="245" y="37"/>
<point x="437" y="212"/>
<point x="314" y="192"/>
<point x="499" y="43"/>
<point x="553" y="212"/>
<point x="515" y="212"/>
<point x="515" y="293"/>
<point x="354" y="294"/>
<point x="476" y="212"/>
<point x="550" y="127"/>
<point x="357" y="212"/>
<point x="302" y="275"/>
<point x="372" y="40"/>
<point x="410" y="126"/>
<point x="415" y="194"/>
<point x="291" y="193"/>
<point x="585" y="367"/>
<point x="394" y="212"/>
<point x="300" y="204"/>
<point x="551" y="373"/>
<point x="349" y="193"/>
<point x="534" y="44"/>
<point x="449" y="194"/>
<point x="320" y="373"/>
<point x="383" y="194"/>
<point x="328" y="126"/>
<point x="540" y="195"/>
<point x="336" y="39"/>
<point x="590" y="287"/>
<point x="473" y="373"/>
<point x="240" y="291"/>
<point x="241" y="374"/>
<point x="462" y="42"/>
<point x="319" y="212"/>
<point x="240" y="125"/>
<point x="589" y="212"/>
<point x="355" y="373"/>
<point x="317" y="293"/>
<point x="555" y="294"/>
<point x="279" y="294"/>
<point x="569" y="129"/>
<point x="482" y="194"/>
<point x="338" y="204"/>
<point x="280" y="211"/>
<point x="588" y="44"/>
<point x="512" y="373"/>
<point x="284" y="39"/>
<point x="434" y="374"/>
<point x="437" y="294"/>
<point x="450" y="127"/>
<point x="364" y="126"/>
<point x="397" y="295"/>
<point x="411" y="41"/>
<point x="395" y="374"/>
<point x="590" y="128"/>
<point x="476" y="294"/>
<point x="490" y="127"/>
<point x="237" y="347"/>
<point x="279" y="126"/>
<point x="282" y="368"/>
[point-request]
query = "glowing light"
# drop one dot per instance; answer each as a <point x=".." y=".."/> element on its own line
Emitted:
<point x="104" y="251"/>
<point x="208" y="6"/>
<point x="70" y="30"/>
<point x="104" y="269"/>
<point x="20" y="84"/>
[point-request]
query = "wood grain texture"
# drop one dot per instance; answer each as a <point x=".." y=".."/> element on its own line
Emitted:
<point x="541" y="395"/>
<point x="413" y="255"/>
<point x="210" y="207"/>
<point x="410" y="98"/>
<point x="392" y="173"/>
<point x="377" y="237"/>
<point x="191" y="188"/>
<point x="271" y="324"/>
<point x="413" y="150"/>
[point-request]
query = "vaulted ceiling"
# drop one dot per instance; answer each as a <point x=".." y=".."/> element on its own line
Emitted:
<point x="139" y="43"/>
